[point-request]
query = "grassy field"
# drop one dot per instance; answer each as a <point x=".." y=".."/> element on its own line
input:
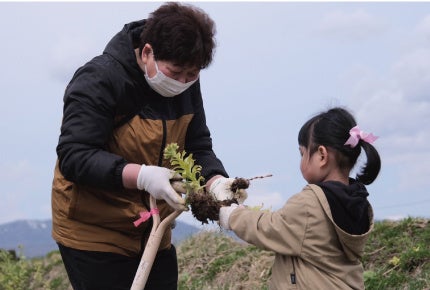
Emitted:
<point x="397" y="256"/>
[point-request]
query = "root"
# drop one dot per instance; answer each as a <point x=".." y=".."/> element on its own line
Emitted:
<point x="239" y="183"/>
<point x="205" y="208"/>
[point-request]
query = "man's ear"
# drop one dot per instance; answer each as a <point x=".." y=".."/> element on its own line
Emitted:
<point x="147" y="49"/>
<point x="322" y="154"/>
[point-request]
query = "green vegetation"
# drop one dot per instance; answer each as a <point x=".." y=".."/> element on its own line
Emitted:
<point x="45" y="273"/>
<point x="397" y="256"/>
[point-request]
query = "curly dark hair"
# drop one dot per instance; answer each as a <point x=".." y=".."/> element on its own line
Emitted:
<point x="182" y="34"/>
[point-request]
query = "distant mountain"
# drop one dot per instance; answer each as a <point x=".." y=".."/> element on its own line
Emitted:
<point x="32" y="238"/>
<point x="182" y="231"/>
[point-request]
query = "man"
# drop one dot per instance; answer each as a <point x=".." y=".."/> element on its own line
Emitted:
<point x="120" y="110"/>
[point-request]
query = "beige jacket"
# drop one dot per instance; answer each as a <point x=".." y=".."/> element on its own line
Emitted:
<point x="312" y="252"/>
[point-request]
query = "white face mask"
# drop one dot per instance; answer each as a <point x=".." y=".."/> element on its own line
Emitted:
<point x="165" y="86"/>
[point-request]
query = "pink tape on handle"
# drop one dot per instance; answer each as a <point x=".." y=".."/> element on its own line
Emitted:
<point x="145" y="215"/>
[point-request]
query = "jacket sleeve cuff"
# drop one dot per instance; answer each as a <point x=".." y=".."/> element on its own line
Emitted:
<point x="117" y="182"/>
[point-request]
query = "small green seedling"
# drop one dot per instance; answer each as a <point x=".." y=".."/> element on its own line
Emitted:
<point x="203" y="205"/>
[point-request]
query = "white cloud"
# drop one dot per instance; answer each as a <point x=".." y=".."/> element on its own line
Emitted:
<point x="22" y="194"/>
<point x="16" y="171"/>
<point x="69" y="53"/>
<point x="11" y="206"/>
<point x="412" y="73"/>
<point x="354" y="25"/>
<point x="12" y="176"/>
<point x="396" y="217"/>
<point x="396" y="104"/>
<point x="388" y="112"/>
<point x="268" y="200"/>
<point x="423" y="28"/>
<point x="415" y="169"/>
<point x="403" y="143"/>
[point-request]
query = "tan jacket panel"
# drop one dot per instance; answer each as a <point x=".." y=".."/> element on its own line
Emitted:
<point x="99" y="220"/>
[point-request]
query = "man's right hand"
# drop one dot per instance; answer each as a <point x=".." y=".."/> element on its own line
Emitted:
<point x="156" y="181"/>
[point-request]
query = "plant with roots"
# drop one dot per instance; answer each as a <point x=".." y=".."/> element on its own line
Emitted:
<point x="204" y="206"/>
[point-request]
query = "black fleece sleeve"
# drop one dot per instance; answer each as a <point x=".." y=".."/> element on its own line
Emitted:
<point x="88" y="120"/>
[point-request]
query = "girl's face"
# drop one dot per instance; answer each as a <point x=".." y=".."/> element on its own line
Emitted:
<point x="310" y="166"/>
<point x="321" y="166"/>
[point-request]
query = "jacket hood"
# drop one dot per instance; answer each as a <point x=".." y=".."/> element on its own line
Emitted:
<point x="348" y="204"/>
<point x="121" y="47"/>
<point x="353" y="245"/>
<point x="351" y="214"/>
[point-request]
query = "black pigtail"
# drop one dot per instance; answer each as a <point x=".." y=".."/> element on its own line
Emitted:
<point x="370" y="170"/>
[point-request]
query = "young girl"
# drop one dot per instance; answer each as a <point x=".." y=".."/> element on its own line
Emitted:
<point x="320" y="233"/>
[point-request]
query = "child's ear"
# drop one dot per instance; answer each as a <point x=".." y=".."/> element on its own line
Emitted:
<point x="323" y="154"/>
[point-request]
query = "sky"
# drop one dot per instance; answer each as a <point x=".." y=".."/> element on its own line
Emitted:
<point x="276" y="65"/>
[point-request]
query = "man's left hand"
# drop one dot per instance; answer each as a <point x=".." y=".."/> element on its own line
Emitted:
<point x="221" y="190"/>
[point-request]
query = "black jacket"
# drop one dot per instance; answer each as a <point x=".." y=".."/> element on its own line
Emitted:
<point x="112" y="117"/>
<point x="107" y="92"/>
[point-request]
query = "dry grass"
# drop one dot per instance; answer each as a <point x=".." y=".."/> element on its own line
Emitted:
<point x="212" y="260"/>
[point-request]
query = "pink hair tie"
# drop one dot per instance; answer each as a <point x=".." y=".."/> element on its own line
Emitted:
<point x="145" y="215"/>
<point x="356" y="135"/>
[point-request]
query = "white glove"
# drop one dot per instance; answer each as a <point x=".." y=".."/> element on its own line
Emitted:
<point x="224" y="215"/>
<point x="221" y="190"/>
<point x="156" y="181"/>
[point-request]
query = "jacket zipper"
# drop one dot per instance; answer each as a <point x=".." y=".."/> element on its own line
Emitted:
<point x="163" y="143"/>
<point x="146" y="232"/>
<point x="293" y="274"/>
